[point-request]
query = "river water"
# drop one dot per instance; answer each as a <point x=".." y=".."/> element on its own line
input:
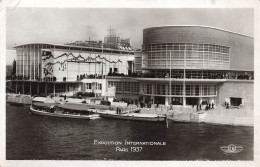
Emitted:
<point x="30" y="137"/>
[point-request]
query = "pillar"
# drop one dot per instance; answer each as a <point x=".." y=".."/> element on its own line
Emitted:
<point x="16" y="85"/>
<point x="152" y="98"/>
<point x="184" y="101"/>
<point x="200" y="100"/>
<point x="54" y="89"/>
<point x="66" y="87"/>
<point x="45" y="88"/>
<point x="30" y="87"/>
<point x="167" y="101"/>
<point x="22" y="87"/>
<point x="38" y="88"/>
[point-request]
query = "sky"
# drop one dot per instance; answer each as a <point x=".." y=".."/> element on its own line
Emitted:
<point x="62" y="25"/>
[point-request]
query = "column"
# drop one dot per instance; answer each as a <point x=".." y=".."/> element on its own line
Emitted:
<point x="45" y="88"/>
<point x="54" y="89"/>
<point x="16" y="87"/>
<point x="152" y="98"/>
<point x="184" y="101"/>
<point x="22" y="87"/>
<point x="30" y="87"/>
<point x="66" y="87"/>
<point x="38" y="88"/>
<point x="23" y="60"/>
<point x="29" y="62"/>
<point x="167" y="101"/>
<point x="200" y="100"/>
<point x="34" y="61"/>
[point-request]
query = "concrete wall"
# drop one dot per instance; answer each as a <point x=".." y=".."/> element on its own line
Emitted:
<point x="241" y="89"/>
<point x="241" y="47"/>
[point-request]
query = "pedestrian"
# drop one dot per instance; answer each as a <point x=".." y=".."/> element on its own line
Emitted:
<point x="227" y="106"/>
<point x="200" y="106"/>
<point x="171" y="107"/>
<point x="197" y="107"/>
<point x="225" y="103"/>
<point x="117" y="110"/>
<point x="212" y="106"/>
<point x="209" y="106"/>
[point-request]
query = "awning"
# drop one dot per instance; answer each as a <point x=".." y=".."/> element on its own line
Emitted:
<point x="130" y="58"/>
<point x="70" y="106"/>
<point x="43" y="100"/>
<point x="40" y="104"/>
<point x="39" y="99"/>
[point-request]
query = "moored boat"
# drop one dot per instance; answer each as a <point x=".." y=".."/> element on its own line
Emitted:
<point x="59" y="113"/>
<point x="134" y="116"/>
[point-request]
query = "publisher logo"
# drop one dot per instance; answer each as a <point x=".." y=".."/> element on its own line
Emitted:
<point x="231" y="149"/>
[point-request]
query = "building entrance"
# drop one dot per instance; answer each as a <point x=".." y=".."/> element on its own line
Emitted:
<point x="159" y="100"/>
<point x="177" y="101"/>
<point x="192" y="100"/>
<point x="235" y="101"/>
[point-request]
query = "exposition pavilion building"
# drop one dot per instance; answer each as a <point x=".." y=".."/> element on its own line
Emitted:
<point x="178" y="65"/>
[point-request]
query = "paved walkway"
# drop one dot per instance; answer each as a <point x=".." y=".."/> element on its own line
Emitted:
<point x="220" y="115"/>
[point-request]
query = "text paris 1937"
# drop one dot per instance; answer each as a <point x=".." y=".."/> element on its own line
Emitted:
<point x="129" y="149"/>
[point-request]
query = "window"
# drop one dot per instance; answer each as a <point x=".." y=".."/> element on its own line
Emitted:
<point x="99" y="86"/>
<point x="115" y="69"/>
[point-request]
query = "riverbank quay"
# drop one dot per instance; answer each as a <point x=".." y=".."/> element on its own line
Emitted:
<point x="19" y="99"/>
<point x="219" y="115"/>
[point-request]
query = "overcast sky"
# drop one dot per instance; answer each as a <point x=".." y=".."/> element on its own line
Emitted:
<point x="62" y="25"/>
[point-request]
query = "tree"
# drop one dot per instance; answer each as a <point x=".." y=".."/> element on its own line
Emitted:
<point x="14" y="68"/>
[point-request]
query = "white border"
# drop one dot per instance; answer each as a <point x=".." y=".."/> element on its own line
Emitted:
<point x="128" y="4"/>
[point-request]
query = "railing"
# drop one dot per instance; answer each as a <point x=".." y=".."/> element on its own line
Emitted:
<point x="181" y="76"/>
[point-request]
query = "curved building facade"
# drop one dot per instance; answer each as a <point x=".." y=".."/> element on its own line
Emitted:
<point x="195" y="62"/>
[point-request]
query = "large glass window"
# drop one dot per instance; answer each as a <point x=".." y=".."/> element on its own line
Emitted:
<point x="206" y="56"/>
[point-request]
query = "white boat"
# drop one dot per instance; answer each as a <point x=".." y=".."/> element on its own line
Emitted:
<point x="134" y="116"/>
<point x="63" y="114"/>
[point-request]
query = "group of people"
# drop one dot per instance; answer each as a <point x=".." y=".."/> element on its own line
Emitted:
<point x="210" y="75"/>
<point x="208" y="106"/>
<point x="92" y="76"/>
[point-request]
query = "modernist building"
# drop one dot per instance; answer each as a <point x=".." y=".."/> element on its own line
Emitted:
<point x="196" y="64"/>
<point x="56" y="69"/>
<point x="179" y="65"/>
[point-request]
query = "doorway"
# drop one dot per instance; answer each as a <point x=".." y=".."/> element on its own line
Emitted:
<point x="234" y="101"/>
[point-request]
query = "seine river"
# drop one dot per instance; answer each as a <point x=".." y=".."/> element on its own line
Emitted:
<point x="30" y="137"/>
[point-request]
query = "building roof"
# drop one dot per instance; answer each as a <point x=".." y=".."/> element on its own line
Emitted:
<point x="198" y="26"/>
<point x="75" y="46"/>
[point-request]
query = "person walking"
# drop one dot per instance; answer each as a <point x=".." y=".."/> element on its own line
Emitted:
<point x="212" y="106"/>
<point x="227" y="107"/>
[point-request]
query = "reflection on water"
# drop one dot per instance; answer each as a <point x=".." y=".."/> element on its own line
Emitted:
<point x="49" y="138"/>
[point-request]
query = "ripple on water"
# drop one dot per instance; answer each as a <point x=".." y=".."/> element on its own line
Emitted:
<point x="41" y="137"/>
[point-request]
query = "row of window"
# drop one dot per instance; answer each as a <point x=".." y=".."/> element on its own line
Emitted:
<point x="191" y="64"/>
<point x="180" y="55"/>
<point x="186" y="46"/>
<point x="94" y="86"/>
<point x="191" y="90"/>
<point x="125" y="87"/>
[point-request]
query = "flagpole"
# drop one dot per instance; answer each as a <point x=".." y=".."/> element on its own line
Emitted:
<point x="170" y="92"/>
<point x="184" y="76"/>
